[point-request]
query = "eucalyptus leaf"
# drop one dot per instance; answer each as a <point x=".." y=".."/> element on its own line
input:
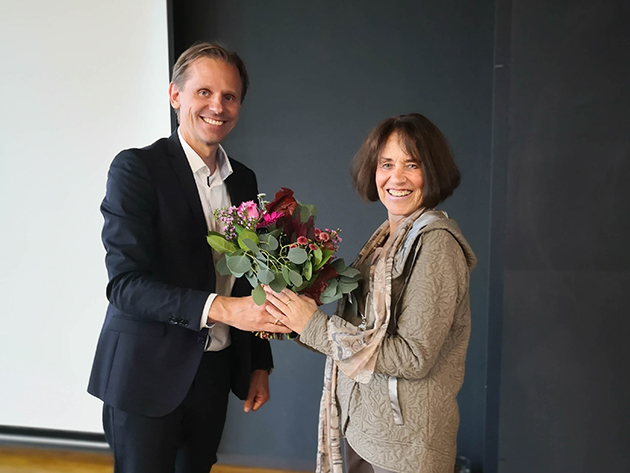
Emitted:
<point x="350" y="272"/>
<point x="307" y="271"/>
<point x="222" y="268"/>
<point x="285" y="275"/>
<point x="238" y="265"/>
<point x="339" y="265"/>
<point x="295" y="278"/>
<point x="297" y="255"/>
<point x="331" y="289"/>
<point x="251" y="277"/>
<point x="258" y="294"/>
<point x="248" y="235"/>
<point x="347" y="287"/>
<point x="269" y="241"/>
<point x="328" y="299"/>
<point x="265" y="276"/>
<point x="356" y="278"/>
<point x="278" y="283"/>
<point x="219" y="243"/>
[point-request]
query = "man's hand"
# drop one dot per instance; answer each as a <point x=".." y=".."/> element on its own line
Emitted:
<point x="258" y="390"/>
<point x="244" y="314"/>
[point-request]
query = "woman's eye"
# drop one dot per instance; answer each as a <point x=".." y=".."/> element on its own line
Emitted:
<point x="203" y="93"/>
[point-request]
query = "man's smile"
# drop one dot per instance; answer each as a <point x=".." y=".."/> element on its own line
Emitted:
<point x="213" y="122"/>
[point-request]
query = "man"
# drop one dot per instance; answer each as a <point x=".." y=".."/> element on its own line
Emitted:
<point x="173" y="344"/>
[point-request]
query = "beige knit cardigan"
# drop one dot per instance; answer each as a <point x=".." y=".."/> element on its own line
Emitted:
<point x="426" y="353"/>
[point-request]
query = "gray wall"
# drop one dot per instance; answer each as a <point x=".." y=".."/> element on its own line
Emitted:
<point x="565" y="390"/>
<point x="323" y="74"/>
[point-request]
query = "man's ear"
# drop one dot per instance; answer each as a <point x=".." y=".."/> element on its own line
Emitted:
<point x="173" y="93"/>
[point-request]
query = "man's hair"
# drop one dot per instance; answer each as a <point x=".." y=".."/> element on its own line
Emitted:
<point x="421" y="140"/>
<point x="211" y="51"/>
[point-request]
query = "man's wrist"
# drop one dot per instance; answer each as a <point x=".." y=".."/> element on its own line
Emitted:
<point x="220" y="310"/>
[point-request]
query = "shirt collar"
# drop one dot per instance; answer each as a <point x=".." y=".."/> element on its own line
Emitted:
<point x="196" y="163"/>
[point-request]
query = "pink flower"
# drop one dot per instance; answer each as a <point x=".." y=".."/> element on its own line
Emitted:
<point x="293" y="246"/>
<point x="317" y="231"/>
<point x="323" y="236"/>
<point x="269" y="218"/>
<point x="249" y="210"/>
<point x="312" y="246"/>
<point x="302" y="240"/>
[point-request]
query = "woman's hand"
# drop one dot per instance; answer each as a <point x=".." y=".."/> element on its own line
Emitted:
<point x="290" y="309"/>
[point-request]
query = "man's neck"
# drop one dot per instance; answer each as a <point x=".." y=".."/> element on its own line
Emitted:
<point x="207" y="153"/>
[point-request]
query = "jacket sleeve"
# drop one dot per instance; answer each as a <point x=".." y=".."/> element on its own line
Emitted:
<point x="438" y="279"/>
<point x="130" y="211"/>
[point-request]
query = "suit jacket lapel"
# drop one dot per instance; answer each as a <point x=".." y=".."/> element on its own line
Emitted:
<point x="180" y="165"/>
<point x="237" y="193"/>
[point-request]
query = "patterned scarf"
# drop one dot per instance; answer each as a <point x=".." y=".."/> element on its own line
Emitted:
<point x="355" y="349"/>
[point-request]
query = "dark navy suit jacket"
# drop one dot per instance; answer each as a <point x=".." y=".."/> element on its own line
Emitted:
<point x="160" y="275"/>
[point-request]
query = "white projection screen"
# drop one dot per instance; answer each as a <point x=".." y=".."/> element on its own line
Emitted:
<point x="80" y="80"/>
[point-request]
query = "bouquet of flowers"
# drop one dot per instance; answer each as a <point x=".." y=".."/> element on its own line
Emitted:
<point x="276" y="243"/>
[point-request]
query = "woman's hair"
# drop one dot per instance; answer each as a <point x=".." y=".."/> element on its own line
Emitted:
<point x="211" y="51"/>
<point x="421" y="140"/>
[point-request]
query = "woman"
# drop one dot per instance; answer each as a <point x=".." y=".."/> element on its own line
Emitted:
<point x="396" y="348"/>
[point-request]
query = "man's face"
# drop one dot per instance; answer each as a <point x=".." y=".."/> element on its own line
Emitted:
<point x="208" y="103"/>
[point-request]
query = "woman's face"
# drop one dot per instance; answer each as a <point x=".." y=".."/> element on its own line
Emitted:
<point x="399" y="180"/>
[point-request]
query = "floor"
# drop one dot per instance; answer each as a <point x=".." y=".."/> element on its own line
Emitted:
<point x="38" y="460"/>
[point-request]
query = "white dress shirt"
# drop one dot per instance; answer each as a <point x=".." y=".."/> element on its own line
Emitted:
<point x="213" y="195"/>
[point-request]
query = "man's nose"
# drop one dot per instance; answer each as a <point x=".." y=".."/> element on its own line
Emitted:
<point x="216" y="104"/>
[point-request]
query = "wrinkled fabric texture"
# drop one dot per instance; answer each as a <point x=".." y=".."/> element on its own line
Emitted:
<point x="415" y="303"/>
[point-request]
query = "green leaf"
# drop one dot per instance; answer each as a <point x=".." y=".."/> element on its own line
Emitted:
<point x="248" y="235"/>
<point x="238" y="228"/>
<point x="265" y="276"/>
<point x="251" y="277"/>
<point x="295" y="278"/>
<point x="326" y="254"/>
<point x="304" y="212"/>
<point x="357" y="278"/>
<point x="331" y="289"/>
<point x="329" y="298"/>
<point x="258" y="294"/>
<point x="278" y="283"/>
<point x="312" y="210"/>
<point x="317" y="256"/>
<point x="238" y="265"/>
<point x="219" y="243"/>
<point x="347" y="287"/>
<point x="269" y="241"/>
<point x="350" y="272"/>
<point x="307" y="271"/>
<point x="297" y="255"/>
<point x="222" y="268"/>
<point x="285" y="275"/>
<point x="339" y="265"/>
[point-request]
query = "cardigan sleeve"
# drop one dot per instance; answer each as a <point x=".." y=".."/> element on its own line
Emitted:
<point x="439" y="277"/>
